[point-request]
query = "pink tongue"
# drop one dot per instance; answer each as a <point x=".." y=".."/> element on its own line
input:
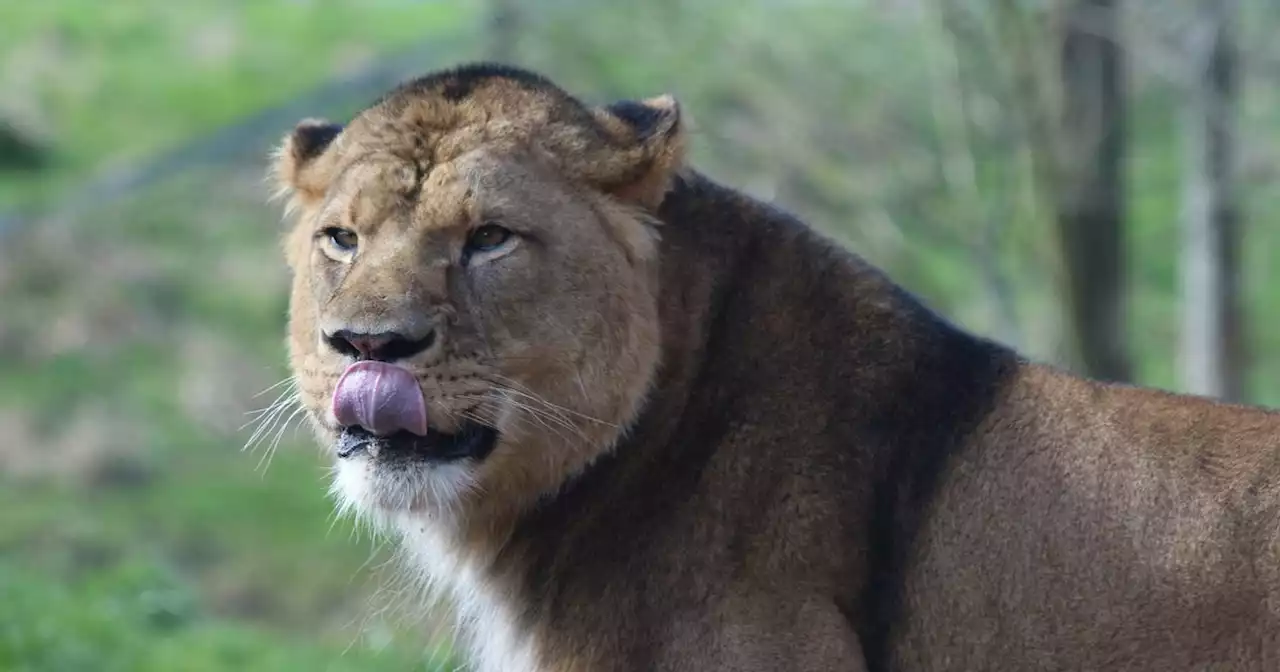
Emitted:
<point x="382" y="398"/>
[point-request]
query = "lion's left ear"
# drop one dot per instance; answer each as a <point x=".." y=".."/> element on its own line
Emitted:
<point x="651" y="133"/>
<point x="303" y="165"/>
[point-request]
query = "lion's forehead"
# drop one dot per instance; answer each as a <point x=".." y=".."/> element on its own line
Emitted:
<point x="424" y="145"/>
<point x="377" y="188"/>
<point x="433" y="125"/>
<point x="428" y="127"/>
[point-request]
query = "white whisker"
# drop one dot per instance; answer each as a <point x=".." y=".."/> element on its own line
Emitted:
<point x="282" y="428"/>
<point x="516" y="387"/>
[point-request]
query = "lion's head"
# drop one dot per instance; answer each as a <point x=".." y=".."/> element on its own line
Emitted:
<point x="473" y="315"/>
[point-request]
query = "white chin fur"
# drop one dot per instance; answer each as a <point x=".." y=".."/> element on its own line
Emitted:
<point x="379" y="493"/>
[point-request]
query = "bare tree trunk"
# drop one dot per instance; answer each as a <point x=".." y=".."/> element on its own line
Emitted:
<point x="1212" y="348"/>
<point x="1090" y="198"/>
<point x="504" y="30"/>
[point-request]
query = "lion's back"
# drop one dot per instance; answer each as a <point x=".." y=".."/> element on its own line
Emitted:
<point x="1103" y="524"/>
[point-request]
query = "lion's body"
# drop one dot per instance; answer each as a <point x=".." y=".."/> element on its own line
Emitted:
<point x="819" y="474"/>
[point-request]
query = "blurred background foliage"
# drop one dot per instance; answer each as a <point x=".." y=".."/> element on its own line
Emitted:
<point x="1040" y="171"/>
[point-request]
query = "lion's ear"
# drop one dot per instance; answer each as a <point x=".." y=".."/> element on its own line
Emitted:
<point x="303" y="166"/>
<point x="652" y="135"/>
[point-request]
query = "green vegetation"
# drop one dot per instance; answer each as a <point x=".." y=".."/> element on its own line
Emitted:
<point x="138" y="536"/>
<point x="143" y="618"/>
<point x="122" y="81"/>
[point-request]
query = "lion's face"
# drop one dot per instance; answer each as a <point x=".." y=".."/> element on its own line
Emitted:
<point x="473" y="316"/>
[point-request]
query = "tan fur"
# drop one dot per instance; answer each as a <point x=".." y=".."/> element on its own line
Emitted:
<point x="727" y="444"/>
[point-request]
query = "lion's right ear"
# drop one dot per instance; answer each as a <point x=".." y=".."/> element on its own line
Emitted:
<point x="650" y="136"/>
<point x="303" y="165"/>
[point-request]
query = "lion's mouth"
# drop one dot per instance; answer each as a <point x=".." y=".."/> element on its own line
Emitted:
<point x="383" y="413"/>
<point x="472" y="440"/>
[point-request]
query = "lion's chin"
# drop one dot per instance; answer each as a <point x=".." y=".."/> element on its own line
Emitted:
<point x="374" y="487"/>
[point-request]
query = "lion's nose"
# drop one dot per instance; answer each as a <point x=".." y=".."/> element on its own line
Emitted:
<point x="386" y="346"/>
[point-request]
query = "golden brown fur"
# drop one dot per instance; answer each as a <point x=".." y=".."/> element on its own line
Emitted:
<point x="727" y="444"/>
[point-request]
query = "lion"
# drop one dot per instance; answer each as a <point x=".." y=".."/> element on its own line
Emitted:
<point x="625" y="417"/>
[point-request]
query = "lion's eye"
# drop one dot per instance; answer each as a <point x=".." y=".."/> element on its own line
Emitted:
<point x="341" y="238"/>
<point x="486" y="238"/>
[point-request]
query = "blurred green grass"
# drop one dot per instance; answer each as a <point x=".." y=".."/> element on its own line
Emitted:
<point x="142" y="616"/>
